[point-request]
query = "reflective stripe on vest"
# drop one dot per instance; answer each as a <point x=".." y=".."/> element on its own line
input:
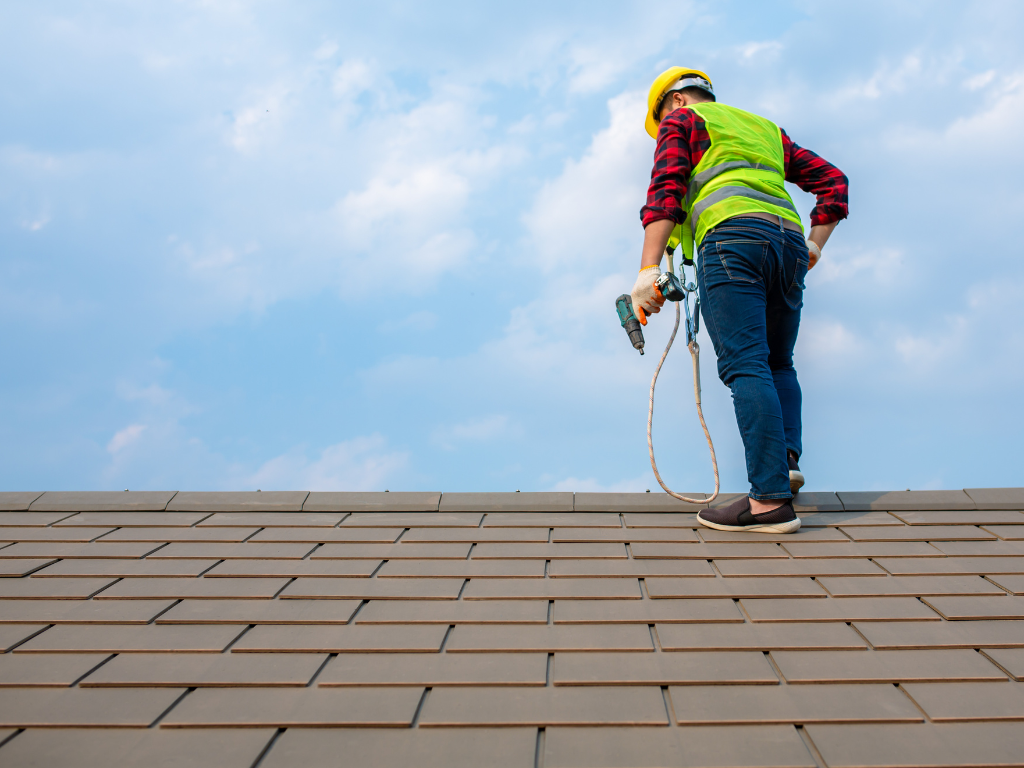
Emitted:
<point x="723" y="192"/>
<point x="698" y="181"/>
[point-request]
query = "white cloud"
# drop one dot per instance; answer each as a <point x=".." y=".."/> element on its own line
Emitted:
<point x="360" y="464"/>
<point x="252" y="125"/>
<point x="590" y="212"/>
<point x="352" y="78"/>
<point x="482" y="430"/>
<point x="887" y="79"/>
<point x="125" y="437"/>
<point x="35" y="223"/>
<point x="874" y="268"/>
<point x="761" y="50"/>
<point x="325" y="51"/>
<point x="980" y="80"/>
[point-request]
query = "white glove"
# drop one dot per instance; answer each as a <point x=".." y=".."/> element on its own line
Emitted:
<point x="814" y="252"/>
<point x="646" y="297"/>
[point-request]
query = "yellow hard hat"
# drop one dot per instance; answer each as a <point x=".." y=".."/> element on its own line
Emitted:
<point x="669" y="81"/>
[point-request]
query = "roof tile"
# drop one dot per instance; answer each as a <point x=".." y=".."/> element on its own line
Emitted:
<point x="375" y="589"/>
<point x="236" y="501"/>
<point x="81" y="612"/>
<point x="157" y="588"/>
<point x="456" y="551"/>
<point x="325" y="535"/>
<point x="894" y="635"/>
<point x="734" y="587"/>
<point x="505" y="550"/>
<point x="896" y="500"/>
<point x="591" y="705"/>
<point x="18" y="670"/>
<point x="968" y="607"/>
<point x="951" y="702"/>
<point x="415" y="520"/>
<point x="839" y="609"/>
<point x="758" y="746"/>
<point x="916" y="586"/>
<point x="47" y="707"/>
<point x="435" y="669"/>
<point x="340" y="639"/>
<point x="550" y="638"/>
<point x="800" y="704"/>
<point x="132" y="519"/>
<point x="997" y="498"/>
<point x="942" y="746"/>
<point x="136" y="748"/>
<point x="227" y="551"/>
<point x="472" y="569"/>
<point x="646" y="611"/>
<point x="757" y="637"/>
<point x="260" y="612"/>
<point x="635" y="502"/>
<point x="320" y="501"/>
<point x="286" y="708"/>
<point x="884" y="666"/>
<point x="114" y="638"/>
<point x="551" y="589"/>
<point x="389" y="747"/>
<point x="690" y="669"/>
<point x="203" y="670"/>
<point x="506" y="502"/>
<point x="285" y="518"/>
<point x="102" y="501"/>
<point x="566" y="519"/>
<point x="454" y="612"/>
<point x="17" y="501"/>
<point x="73" y="550"/>
<point x="293" y="569"/>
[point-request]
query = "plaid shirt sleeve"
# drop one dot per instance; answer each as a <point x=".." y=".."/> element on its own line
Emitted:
<point x="819" y="177"/>
<point x="682" y="142"/>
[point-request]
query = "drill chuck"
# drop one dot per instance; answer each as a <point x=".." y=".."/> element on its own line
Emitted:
<point x="624" y="308"/>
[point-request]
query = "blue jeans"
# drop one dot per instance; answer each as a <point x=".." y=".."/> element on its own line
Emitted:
<point x="750" y="274"/>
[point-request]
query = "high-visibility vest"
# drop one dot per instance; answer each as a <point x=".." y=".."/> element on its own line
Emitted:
<point x="743" y="171"/>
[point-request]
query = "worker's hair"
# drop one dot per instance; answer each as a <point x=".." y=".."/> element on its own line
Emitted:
<point x="695" y="93"/>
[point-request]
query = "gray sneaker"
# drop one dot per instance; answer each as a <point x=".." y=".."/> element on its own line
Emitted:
<point x="738" y="517"/>
<point x="796" y="477"/>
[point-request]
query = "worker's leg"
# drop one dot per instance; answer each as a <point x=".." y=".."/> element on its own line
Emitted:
<point x="736" y="269"/>
<point x="783" y="323"/>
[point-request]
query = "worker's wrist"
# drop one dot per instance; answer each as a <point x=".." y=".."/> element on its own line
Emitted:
<point x="651" y="266"/>
<point x="814" y="247"/>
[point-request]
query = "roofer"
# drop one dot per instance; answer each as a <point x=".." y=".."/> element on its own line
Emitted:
<point x="718" y="173"/>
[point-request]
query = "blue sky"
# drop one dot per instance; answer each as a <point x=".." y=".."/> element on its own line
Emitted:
<point x="352" y="246"/>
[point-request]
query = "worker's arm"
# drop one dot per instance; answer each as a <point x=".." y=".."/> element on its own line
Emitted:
<point x="827" y="183"/>
<point x="656" y="236"/>
<point x="819" y="235"/>
<point x="682" y="139"/>
<point x="670" y="176"/>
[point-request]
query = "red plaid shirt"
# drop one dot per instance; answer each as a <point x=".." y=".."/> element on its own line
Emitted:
<point x="682" y="141"/>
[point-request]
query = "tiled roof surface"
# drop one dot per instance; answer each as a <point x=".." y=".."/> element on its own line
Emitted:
<point x="523" y="630"/>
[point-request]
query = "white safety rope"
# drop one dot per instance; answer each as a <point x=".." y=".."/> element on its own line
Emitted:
<point x="695" y="356"/>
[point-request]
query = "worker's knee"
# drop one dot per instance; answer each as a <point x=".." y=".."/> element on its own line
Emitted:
<point x="754" y="372"/>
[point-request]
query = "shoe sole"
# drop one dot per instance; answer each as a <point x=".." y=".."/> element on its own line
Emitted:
<point x="796" y="480"/>
<point x="791" y="526"/>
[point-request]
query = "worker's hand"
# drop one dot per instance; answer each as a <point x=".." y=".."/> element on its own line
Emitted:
<point x="814" y="252"/>
<point x="646" y="297"/>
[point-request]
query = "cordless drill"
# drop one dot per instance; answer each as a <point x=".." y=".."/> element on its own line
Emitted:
<point x="624" y="306"/>
<point x="670" y="288"/>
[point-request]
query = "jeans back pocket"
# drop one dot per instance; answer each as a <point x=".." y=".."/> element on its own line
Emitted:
<point x="794" y="293"/>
